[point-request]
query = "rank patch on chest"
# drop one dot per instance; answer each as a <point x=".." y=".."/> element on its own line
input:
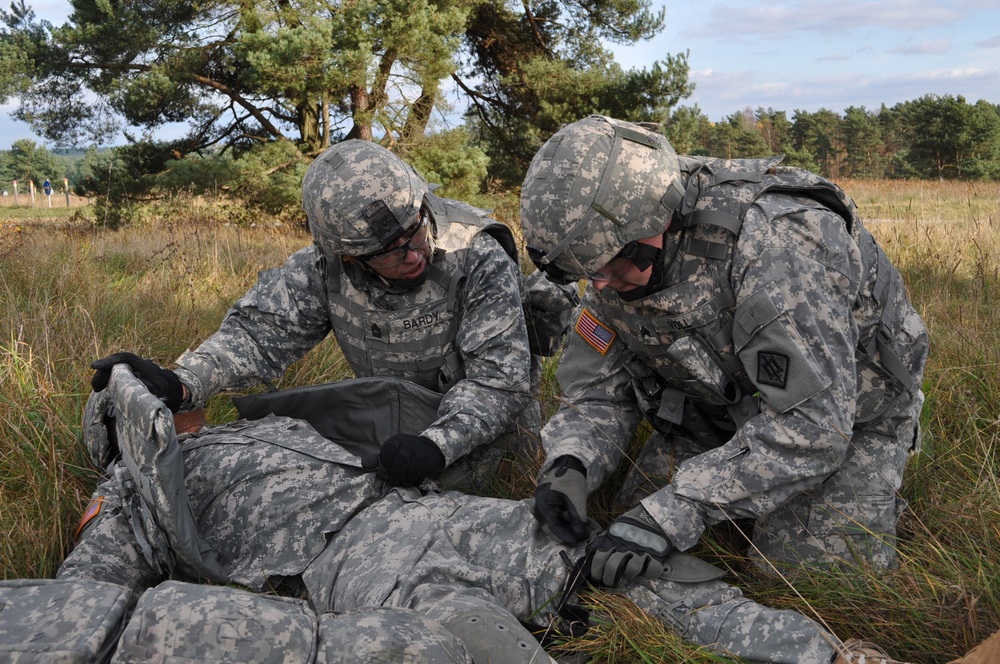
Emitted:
<point x="594" y="332"/>
<point x="772" y="369"/>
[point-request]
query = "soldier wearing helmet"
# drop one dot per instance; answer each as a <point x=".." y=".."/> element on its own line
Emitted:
<point x="411" y="285"/>
<point x="743" y="309"/>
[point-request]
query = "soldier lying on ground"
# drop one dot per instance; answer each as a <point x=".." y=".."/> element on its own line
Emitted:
<point x="272" y="505"/>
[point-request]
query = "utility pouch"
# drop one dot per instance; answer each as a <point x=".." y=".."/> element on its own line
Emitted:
<point x="178" y="623"/>
<point x="65" y="621"/>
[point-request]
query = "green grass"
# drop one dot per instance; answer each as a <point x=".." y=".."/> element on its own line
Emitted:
<point x="71" y="292"/>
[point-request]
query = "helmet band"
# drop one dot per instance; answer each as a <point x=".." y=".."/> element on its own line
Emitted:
<point x="382" y="221"/>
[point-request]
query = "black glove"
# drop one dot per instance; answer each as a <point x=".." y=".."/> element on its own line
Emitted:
<point x="163" y="383"/>
<point x="634" y="545"/>
<point x="405" y="460"/>
<point x="561" y="500"/>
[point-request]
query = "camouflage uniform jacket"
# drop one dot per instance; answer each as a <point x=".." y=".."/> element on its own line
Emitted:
<point x="461" y="332"/>
<point x="779" y="327"/>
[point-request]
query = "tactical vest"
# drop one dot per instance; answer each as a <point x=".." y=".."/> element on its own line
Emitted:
<point x="411" y="334"/>
<point x="685" y="371"/>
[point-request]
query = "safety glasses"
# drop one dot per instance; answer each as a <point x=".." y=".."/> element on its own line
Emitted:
<point x="414" y="240"/>
<point x="633" y="254"/>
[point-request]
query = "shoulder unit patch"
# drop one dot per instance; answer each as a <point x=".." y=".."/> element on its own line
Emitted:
<point x="594" y="332"/>
<point x="772" y="369"/>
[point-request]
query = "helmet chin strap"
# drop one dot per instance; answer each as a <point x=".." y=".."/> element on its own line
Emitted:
<point x="640" y="254"/>
<point x="648" y="255"/>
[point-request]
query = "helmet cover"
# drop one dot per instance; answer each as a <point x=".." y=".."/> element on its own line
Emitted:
<point x="595" y="186"/>
<point x="359" y="197"/>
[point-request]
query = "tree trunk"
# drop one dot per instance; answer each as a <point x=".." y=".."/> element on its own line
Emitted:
<point x="309" y="127"/>
<point x="419" y="116"/>
<point x="361" y="114"/>
<point x="326" y="123"/>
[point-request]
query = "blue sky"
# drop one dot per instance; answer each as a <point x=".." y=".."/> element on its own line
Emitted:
<point x="796" y="55"/>
<point x="813" y="54"/>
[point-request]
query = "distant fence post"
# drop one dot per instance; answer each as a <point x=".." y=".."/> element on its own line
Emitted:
<point x="31" y="192"/>
<point x="66" y="189"/>
<point x="15" y="193"/>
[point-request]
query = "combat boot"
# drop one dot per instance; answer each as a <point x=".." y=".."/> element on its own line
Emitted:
<point x="856" y="651"/>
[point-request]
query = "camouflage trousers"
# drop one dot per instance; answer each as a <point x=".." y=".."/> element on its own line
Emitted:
<point x="408" y="550"/>
<point x="422" y="551"/>
<point x="265" y="503"/>
<point x="847" y="520"/>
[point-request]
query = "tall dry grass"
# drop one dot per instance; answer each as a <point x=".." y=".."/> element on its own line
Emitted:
<point x="70" y="293"/>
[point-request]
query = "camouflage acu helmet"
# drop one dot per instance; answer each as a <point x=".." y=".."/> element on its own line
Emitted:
<point x="594" y="187"/>
<point x="359" y="197"/>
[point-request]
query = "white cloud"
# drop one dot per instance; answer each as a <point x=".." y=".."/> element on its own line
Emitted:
<point x="777" y="20"/>
<point x="925" y="47"/>
<point x="722" y="94"/>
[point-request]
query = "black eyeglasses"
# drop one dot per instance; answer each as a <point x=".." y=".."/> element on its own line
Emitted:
<point x="638" y="254"/>
<point x="413" y="240"/>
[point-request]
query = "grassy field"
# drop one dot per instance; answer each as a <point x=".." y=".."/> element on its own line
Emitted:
<point x="71" y="292"/>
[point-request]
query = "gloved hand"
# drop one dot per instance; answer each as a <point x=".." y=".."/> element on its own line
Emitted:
<point x="163" y="383"/>
<point x="561" y="500"/>
<point x="634" y="545"/>
<point x="405" y="460"/>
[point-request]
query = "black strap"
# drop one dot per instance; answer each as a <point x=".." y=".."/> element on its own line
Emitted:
<point x="575" y="619"/>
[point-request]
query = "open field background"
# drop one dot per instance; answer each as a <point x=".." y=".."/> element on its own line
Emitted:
<point x="71" y="292"/>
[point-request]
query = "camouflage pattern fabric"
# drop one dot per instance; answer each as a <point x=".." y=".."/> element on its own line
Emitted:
<point x="177" y="622"/>
<point x="550" y="309"/>
<point x="271" y="502"/>
<point x="772" y="318"/>
<point x="181" y="622"/>
<point x="443" y="548"/>
<point x="238" y="482"/>
<point x="384" y="636"/>
<point x="287" y="313"/>
<point x="61" y="622"/>
<point x="359" y="197"/>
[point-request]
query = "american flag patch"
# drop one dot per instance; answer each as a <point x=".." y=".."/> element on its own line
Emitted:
<point x="594" y="332"/>
<point x="93" y="509"/>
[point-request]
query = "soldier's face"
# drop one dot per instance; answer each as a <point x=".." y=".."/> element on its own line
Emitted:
<point x="620" y="274"/>
<point x="412" y="266"/>
<point x="407" y="257"/>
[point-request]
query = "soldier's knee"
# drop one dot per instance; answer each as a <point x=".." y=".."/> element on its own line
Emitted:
<point x="840" y="536"/>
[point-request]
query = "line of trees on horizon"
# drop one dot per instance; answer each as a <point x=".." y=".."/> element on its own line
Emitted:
<point x="263" y="87"/>
<point x="933" y="137"/>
